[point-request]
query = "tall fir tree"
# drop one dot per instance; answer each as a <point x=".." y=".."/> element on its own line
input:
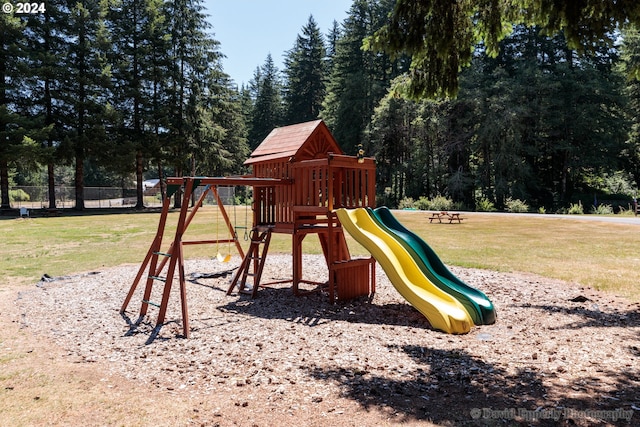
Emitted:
<point x="359" y="79"/>
<point x="227" y="146"/>
<point x="11" y="130"/>
<point x="23" y="123"/>
<point x="333" y="36"/>
<point x="630" y="55"/>
<point x="46" y="41"/>
<point x="86" y="88"/>
<point x="305" y="71"/>
<point x="193" y="53"/>
<point x="267" y="107"/>
<point x="139" y="51"/>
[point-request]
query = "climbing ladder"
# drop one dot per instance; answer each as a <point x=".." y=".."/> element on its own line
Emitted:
<point x="253" y="263"/>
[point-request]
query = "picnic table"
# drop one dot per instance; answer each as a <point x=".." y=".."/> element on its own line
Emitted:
<point x="451" y="217"/>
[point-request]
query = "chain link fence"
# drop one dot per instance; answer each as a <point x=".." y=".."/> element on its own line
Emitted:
<point x="33" y="197"/>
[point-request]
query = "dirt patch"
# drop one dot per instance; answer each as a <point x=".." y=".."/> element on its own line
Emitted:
<point x="559" y="354"/>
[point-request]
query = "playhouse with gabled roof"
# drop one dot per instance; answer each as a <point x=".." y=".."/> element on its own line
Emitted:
<point x="317" y="178"/>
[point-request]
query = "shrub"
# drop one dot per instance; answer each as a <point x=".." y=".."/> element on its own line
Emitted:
<point x="576" y="208"/>
<point x="485" y="205"/>
<point x="440" y="203"/>
<point x="542" y="210"/>
<point x="18" y="196"/>
<point x="407" y="203"/>
<point x="516" y="205"/>
<point x="602" y="210"/>
<point x="422" y="203"/>
<point x="627" y="212"/>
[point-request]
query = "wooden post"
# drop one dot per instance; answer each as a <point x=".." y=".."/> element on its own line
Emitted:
<point x="177" y="256"/>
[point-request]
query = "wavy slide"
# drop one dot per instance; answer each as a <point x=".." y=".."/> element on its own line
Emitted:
<point x="474" y="301"/>
<point x="443" y="311"/>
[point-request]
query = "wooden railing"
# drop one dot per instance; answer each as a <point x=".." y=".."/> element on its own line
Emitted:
<point x="334" y="182"/>
<point x="317" y="186"/>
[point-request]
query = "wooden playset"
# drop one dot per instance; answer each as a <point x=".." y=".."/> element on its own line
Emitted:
<point x="299" y="177"/>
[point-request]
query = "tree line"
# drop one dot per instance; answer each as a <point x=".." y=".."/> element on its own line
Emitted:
<point x="106" y="92"/>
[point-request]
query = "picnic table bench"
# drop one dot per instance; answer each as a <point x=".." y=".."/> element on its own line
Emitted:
<point x="447" y="216"/>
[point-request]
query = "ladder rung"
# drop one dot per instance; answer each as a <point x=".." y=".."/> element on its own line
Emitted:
<point x="162" y="254"/>
<point x="162" y="279"/>
<point x="151" y="303"/>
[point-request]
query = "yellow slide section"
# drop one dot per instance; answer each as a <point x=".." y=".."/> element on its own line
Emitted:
<point x="442" y="310"/>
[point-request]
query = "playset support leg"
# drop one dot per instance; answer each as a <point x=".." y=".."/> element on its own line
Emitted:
<point x="150" y="257"/>
<point x="177" y="257"/>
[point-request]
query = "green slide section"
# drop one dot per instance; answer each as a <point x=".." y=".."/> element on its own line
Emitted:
<point x="443" y="311"/>
<point x="474" y="301"/>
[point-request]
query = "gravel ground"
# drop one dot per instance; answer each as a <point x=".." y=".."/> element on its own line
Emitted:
<point x="559" y="353"/>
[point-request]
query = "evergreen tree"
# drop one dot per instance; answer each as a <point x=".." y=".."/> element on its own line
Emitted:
<point x="86" y="87"/>
<point x="193" y="54"/>
<point x="358" y="79"/>
<point x="544" y="119"/>
<point x="46" y="47"/>
<point x="332" y="41"/>
<point x="227" y="146"/>
<point x="441" y="36"/>
<point x="267" y="108"/>
<point x="419" y="149"/>
<point x="305" y="71"/>
<point x="158" y="71"/>
<point x="139" y="55"/>
<point x="630" y="55"/>
<point x="11" y="126"/>
<point x="391" y="136"/>
<point x="22" y="122"/>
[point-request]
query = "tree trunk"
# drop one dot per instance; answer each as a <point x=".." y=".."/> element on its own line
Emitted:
<point x="163" y="184"/>
<point x="177" y="198"/>
<point x="51" y="184"/>
<point x="139" y="181"/>
<point x="79" y="180"/>
<point x="4" y="184"/>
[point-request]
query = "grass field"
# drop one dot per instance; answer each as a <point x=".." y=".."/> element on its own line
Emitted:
<point x="598" y="254"/>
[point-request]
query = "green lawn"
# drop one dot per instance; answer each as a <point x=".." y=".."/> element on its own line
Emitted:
<point x="597" y="254"/>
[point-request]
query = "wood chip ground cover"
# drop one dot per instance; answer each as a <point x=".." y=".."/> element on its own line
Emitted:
<point x="559" y="353"/>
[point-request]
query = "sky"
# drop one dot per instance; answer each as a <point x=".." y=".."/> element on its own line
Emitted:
<point x="248" y="30"/>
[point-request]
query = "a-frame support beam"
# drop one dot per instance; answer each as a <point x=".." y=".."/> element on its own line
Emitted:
<point x="174" y="255"/>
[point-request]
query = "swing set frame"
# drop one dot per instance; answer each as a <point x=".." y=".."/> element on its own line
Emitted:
<point x="174" y="255"/>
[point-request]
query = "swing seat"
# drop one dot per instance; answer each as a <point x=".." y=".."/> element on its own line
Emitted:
<point x="221" y="258"/>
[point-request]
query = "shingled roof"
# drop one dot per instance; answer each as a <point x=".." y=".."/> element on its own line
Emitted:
<point x="303" y="141"/>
